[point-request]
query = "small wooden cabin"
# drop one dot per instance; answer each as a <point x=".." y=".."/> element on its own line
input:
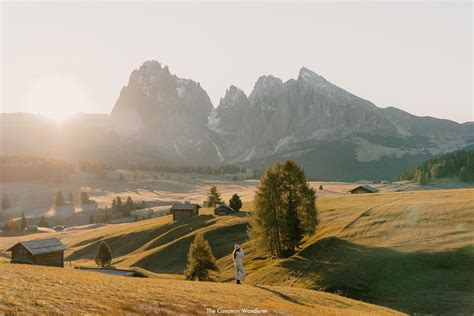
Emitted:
<point x="223" y="210"/>
<point x="363" y="189"/>
<point x="182" y="211"/>
<point x="45" y="252"/>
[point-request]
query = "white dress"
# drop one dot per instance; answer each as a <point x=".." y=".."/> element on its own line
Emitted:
<point x="239" y="267"/>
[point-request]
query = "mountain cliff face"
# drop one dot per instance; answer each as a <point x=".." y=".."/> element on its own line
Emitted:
<point x="165" y="118"/>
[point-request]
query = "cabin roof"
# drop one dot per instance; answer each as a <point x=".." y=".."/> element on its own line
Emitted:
<point x="365" y="187"/>
<point x="185" y="206"/>
<point x="41" y="246"/>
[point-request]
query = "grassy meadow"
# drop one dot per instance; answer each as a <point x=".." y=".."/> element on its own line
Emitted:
<point x="42" y="290"/>
<point x="409" y="251"/>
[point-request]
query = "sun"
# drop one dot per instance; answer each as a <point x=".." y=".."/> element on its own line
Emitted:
<point x="58" y="97"/>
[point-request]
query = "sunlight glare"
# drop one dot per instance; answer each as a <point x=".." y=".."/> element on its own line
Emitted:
<point x="58" y="97"/>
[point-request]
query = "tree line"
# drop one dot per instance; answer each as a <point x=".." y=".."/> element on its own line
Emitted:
<point x="24" y="168"/>
<point x="456" y="164"/>
<point x="209" y="170"/>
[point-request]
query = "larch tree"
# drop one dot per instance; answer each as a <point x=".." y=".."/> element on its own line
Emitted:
<point x="213" y="197"/>
<point x="284" y="209"/>
<point x="59" y="199"/>
<point x="200" y="260"/>
<point x="103" y="256"/>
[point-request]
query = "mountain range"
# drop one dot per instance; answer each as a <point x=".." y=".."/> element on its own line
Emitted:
<point x="160" y="118"/>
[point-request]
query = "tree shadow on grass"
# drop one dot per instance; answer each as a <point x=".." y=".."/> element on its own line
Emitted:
<point x="283" y="296"/>
<point x="418" y="282"/>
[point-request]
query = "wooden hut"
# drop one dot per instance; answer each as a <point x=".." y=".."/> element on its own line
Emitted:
<point x="363" y="189"/>
<point x="223" y="210"/>
<point x="182" y="211"/>
<point x="45" y="252"/>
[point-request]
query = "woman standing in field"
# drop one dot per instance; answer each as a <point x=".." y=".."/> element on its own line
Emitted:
<point x="238" y="256"/>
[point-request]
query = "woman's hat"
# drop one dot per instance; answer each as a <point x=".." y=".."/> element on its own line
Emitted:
<point x="236" y="246"/>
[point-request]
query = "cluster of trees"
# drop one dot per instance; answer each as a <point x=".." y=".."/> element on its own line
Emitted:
<point x="59" y="198"/>
<point x="16" y="226"/>
<point x="211" y="170"/>
<point x="125" y="208"/>
<point x="459" y="163"/>
<point x="23" y="168"/>
<point x="214" y="199"/>
<point x="98" y="168"/>
<point x="284" y="210"/>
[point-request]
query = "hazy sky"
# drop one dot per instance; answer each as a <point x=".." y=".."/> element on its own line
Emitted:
<point x="416" y="56"/>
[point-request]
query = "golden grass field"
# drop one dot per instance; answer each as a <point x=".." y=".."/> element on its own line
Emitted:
<point x="411" y="251"/>
<point x="44" y="290"/>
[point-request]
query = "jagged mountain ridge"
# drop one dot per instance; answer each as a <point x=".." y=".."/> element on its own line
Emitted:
<point x="175" y="121"/>
<point x="162" y="119"/>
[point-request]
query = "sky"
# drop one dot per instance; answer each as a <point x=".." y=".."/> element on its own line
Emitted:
<point x="62" y="57"/>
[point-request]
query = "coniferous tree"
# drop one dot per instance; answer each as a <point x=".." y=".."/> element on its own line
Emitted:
<point x="119" y="204"/>
<point x="70" y="197"/>
<point x="135" y="219"/>
<point x="59" y="199"/>
<point x="84" y="197"/>
<point x="213" y="197"/>
<point x="91" y="219"/>
<point x="43" y="222"/>
<point x="23" y="223"/>
<point x="103" y="255"/>
<point x="114" y="205"/>
<point x="200" y="260"/>
<point x="235" y="203"/>
<point x="5" y="202"/>
<point x="284" y="209"/>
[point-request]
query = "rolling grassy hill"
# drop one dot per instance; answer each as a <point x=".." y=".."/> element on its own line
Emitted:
<point x="42" y="290"/>
<point x="411" y="251"/>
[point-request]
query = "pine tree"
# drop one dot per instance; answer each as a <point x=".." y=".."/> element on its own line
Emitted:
<point x="43" y="222"/>
<point x="135" y="219"/>
<point x="91" y="219"/>
<point x="213" y="197"/>
<point x="119" y="204"/>
<point x="284" y="209"/>
<point x="235" y="203"/>
<point x="23" y="223"/>
<point x="114" y="205"/>
<point x="70" y="197"/>
<point x="84" y="197"/>
<point x="59" y="199"/>
<point x="5" y="202"/>
<point x="200" y="260"/>
<point x="103" y="255"/>
<point x="127" y="207"/>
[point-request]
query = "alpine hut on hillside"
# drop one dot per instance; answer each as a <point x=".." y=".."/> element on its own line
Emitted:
<point x="182" y="211"/>
<point x="44" y="252"/>
<point x="363" y="189"/>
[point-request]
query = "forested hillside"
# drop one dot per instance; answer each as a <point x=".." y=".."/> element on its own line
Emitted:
<point x="456" y="164"/>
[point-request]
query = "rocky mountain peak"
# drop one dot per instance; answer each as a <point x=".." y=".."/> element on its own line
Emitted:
<point x="309" y="75"/>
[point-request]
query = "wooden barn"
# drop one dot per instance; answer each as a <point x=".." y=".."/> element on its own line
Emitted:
<point x="223" y="210"/>
<point x="182" y="211"/>
<point x="363" y="189"/>
<point x="45" y="252"/>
